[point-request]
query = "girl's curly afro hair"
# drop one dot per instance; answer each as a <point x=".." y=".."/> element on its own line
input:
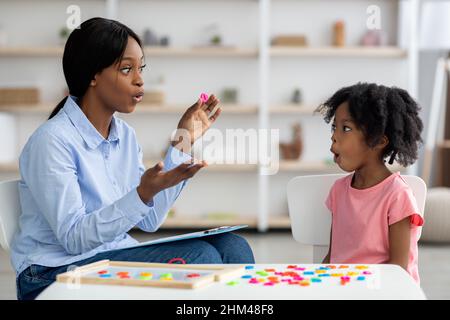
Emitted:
<point x="378" y="111"/>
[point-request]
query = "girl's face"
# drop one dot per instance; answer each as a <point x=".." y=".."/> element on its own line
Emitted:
<point x="349" y="147"/>
<point x="121" y="86"/>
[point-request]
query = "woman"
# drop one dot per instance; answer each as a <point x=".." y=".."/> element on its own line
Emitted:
<point x="83" y="183"/>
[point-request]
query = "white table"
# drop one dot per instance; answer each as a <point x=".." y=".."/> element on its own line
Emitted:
<point x="385" y="282"/>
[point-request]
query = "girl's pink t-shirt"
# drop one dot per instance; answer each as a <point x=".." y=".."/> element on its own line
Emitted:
<point x="361" y="220"/>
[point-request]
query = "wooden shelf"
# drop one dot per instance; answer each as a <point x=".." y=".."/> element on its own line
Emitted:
<point x="354" y="52"/>
<point x="140" y="109"/>
<point x="282" y="222"/>
<point x="321" y="167"/>
<point x="308" y="166"/>
<point x="284" y="166"/>
<point x="9" y="167"/>
<point x="293" y="109"/>
<point x="45" y="108"/>
<point x="216" y="167"/>
<point x="444" y="144"/>
<point x="57" y="51"/>
<point x="201" y="52"/>
<point x="13" y="52"/>
<point x="204" y="223"/>
<point x="180" y="109"/>
<point x="172" y="109"/>
<point x="275" y="51"/>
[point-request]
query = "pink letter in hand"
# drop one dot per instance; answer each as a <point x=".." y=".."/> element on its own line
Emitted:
<point x="204" y="97"/>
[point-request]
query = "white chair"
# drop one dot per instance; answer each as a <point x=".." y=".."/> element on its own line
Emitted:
<point x="311" y="219"/>
<point x="9" y="212"/>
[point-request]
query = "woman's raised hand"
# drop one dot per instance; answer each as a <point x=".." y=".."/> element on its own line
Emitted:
<point x="195" y="122"/>
<point x="192" y="125"/>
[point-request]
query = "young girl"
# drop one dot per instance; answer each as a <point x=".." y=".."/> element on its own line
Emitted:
<point x="375" y="218"/>
<point x="83" y="184"/>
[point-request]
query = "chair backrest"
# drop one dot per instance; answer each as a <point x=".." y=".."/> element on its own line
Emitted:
<point x="311" y="219"/>
<point x="9" y="212"/>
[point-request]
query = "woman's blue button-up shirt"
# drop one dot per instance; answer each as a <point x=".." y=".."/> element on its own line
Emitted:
<point x="78" y="191"/>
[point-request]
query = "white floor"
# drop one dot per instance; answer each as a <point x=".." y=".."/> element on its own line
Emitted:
<point x="279" y="247"/>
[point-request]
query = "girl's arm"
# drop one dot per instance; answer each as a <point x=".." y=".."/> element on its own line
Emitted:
<point x="399" y="242"/>
<point x="327" y="257"/>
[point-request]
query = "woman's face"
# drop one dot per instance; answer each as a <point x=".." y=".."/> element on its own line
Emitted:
<point x="121" y="86"/>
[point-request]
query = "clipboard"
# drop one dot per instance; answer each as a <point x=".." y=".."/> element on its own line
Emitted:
<point x="186" y="236"/>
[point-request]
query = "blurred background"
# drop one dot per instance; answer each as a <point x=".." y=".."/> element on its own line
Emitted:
<point x="271" y="63"/>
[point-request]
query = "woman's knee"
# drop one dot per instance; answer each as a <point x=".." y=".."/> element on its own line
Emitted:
<point x="186" y="251"/>
<point x="243" y="251"/>
<point x="232" y="248"/>
<point x="204" y="252"/>
<point x="29" y="284"/>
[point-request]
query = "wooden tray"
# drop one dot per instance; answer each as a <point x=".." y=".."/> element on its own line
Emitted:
<point x="185" y="276"/>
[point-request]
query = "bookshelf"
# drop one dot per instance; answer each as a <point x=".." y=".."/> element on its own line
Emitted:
<point x="264" y="75"/>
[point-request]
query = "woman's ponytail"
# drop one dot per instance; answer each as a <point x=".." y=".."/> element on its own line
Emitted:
<point x="58" y="107"/>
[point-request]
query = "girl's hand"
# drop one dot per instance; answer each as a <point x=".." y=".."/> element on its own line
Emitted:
<point x="195" y="122"/>
<point x="155" y="180"/>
